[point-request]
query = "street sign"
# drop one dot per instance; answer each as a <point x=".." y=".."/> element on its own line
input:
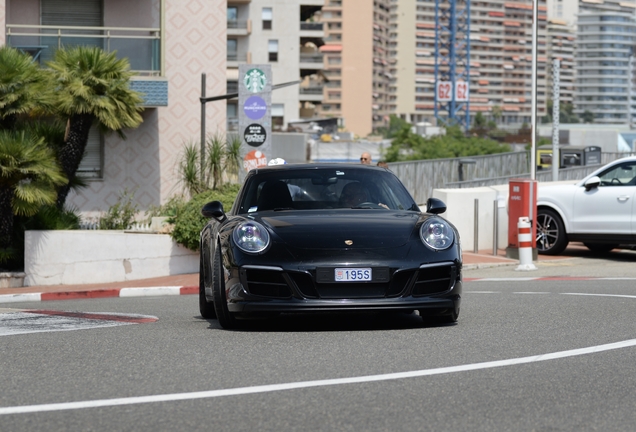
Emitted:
<point x="255" y="117"/>
<point x="444" y="91"/>
<point x="255" y="135"/>
<point x="461" y="91"/>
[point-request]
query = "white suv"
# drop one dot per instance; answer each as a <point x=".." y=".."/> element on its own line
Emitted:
<point x="599" y="210"/>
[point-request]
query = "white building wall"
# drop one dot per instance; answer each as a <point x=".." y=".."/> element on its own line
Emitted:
<point x="285" y="29"/>
<point x="195" y="35"/>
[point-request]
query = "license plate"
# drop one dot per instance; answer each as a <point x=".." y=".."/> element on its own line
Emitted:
<point x="352" y="275"/>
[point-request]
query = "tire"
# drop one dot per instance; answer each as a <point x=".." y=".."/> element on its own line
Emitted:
<point x="551" y="236"/>
<point x="205" y="307"/>
<point x="439" y="319"/>
<point x="600" y="247"/>
<point x="226" y="319"/>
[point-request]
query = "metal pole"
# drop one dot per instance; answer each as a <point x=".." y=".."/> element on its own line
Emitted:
<point x="476" y="228"/>
<point x="556" y="155"/>
<point x="202" y="127"/>
<point x="535" y="26"/>
<point x="495" y="226"/>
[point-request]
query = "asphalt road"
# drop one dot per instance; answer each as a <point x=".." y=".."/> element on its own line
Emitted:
<point x="527" y="355"/>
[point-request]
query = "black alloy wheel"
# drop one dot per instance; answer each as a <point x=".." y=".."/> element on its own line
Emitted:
<point x="205" y="307"/>
<point x="226" y="319"/>
<point x="551" y="236"/>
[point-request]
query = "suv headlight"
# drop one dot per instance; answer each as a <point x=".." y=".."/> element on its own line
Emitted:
<point x="251" y="237"/>
<point x="437" y="234"/>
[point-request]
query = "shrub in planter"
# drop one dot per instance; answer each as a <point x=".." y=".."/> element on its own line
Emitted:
<point x="189" y="221"/>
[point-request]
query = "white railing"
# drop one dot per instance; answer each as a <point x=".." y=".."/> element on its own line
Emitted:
<point x="141" y="46"/>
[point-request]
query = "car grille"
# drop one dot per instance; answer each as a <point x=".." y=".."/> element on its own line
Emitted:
<point x="267" y="283"/>
<point x="430" y="280"/>
<point x="434" y="279"/>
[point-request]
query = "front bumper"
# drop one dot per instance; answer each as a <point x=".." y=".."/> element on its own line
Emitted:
<point x="434" y="287"/>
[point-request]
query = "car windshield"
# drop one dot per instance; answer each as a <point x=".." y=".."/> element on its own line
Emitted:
<point x="324" y="188"/>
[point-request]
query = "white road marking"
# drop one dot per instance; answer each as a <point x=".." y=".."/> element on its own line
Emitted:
<point x="152" y="291"/>
<point x="601" y="295"/>
<point x="532" y="292"/>
<point x="309" y="384"/>
<point x="40" y="321"/>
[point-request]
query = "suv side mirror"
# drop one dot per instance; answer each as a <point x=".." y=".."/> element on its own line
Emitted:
<point x="592" y="183"/>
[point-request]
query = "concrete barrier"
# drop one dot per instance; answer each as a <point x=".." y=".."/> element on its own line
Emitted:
<point x="460" y="205"/>
<point x="79" y="257"/>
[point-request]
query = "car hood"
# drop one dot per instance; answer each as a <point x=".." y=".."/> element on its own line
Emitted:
<point x="335" y="229"/>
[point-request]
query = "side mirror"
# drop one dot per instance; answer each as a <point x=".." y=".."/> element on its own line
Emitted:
<point x="435" y="206"/>
<point x="214" y="209"/>
<point x="592" y="183"/>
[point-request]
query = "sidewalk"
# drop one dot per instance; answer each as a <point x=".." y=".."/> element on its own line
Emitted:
<point x="186" y="284"/>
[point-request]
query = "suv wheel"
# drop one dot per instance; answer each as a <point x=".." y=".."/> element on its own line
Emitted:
<point x="551" y="236"/>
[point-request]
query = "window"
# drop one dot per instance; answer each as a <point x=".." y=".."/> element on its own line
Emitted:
<point x="91" y="165"/>
<point x="267" y="18"/>
<point x="278" y="116"/>
<point x="232" y="50"/>
<point x="232" y="13"/>
<point x="272" y="49"/>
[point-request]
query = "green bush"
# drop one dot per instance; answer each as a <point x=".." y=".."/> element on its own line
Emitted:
<point x="121" y="215"/>
<point x="189" y="221"/>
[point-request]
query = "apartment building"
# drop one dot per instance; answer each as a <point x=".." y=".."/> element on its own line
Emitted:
<point x="606" y="37"/>
<point x="561" y="42"/>
<point x="286" y="34"/>
<point x="169" y="43"/>
<point x="356" y="64"/>
<point x="563" y="11"/>
<point x="500" y="59"/>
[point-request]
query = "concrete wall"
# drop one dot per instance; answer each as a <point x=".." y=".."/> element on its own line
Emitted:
<point x="79" y="257"/>
<point x="460" y="212"/>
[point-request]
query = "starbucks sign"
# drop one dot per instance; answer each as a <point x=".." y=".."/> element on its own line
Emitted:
<point x="255" y="117"/>
<point x="255" y="80"/>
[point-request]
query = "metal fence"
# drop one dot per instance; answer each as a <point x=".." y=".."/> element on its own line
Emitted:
<point x="421" y="177"/>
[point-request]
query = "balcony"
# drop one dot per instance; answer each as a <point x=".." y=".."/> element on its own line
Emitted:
<point x="309" y="29"/>
<point x="311" y="61"/>
<point x="140" y="46"/>
<point x="311" y="93"/>
<point x="234" y="59"/>
<point x="239" y="28"/>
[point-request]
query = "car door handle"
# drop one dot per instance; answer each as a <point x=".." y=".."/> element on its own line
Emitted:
<point x="623" y="198"/>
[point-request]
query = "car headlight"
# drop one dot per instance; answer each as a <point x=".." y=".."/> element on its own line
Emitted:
<point x="251" y="237"/>
<point x="437" y="234"/>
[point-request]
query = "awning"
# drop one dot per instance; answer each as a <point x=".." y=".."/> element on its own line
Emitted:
<point x="331" y="48"/>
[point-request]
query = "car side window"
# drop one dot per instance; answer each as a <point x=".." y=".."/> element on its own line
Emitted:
<point x="621" y="175"/>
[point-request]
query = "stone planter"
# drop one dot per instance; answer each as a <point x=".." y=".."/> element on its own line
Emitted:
<point x="12" y="280"/>
<point x="100" y="256"/>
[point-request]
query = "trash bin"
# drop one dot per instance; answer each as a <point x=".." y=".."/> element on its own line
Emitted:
<point x="592" y="155"/>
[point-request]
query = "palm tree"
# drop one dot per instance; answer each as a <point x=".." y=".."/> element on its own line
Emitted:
<point x="22" y="88"/>
<point x="29" y="175"/>
<point x="91" y="86"/>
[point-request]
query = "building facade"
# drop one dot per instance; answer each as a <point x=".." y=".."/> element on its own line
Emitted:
<point x="561" y="42"/>
<point x="606" y="38"/>
<point x="356" y="64"/>
<point x="287" y="35"/>
<point x="174" y="42"/>
<point x="500" y="60"/>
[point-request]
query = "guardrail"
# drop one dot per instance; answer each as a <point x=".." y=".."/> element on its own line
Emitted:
<point x="141" y="46"/>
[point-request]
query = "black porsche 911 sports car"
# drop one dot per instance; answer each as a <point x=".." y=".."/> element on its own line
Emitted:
<point x="327" y="237"/>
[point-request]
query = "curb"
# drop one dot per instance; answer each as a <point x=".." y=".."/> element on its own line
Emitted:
<point x="103" y="293"/>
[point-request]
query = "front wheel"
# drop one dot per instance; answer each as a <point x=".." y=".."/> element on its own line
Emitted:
<point x="226" y="319"/>
<point x="551" y="236"/>
<point x="206" y="308"/>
